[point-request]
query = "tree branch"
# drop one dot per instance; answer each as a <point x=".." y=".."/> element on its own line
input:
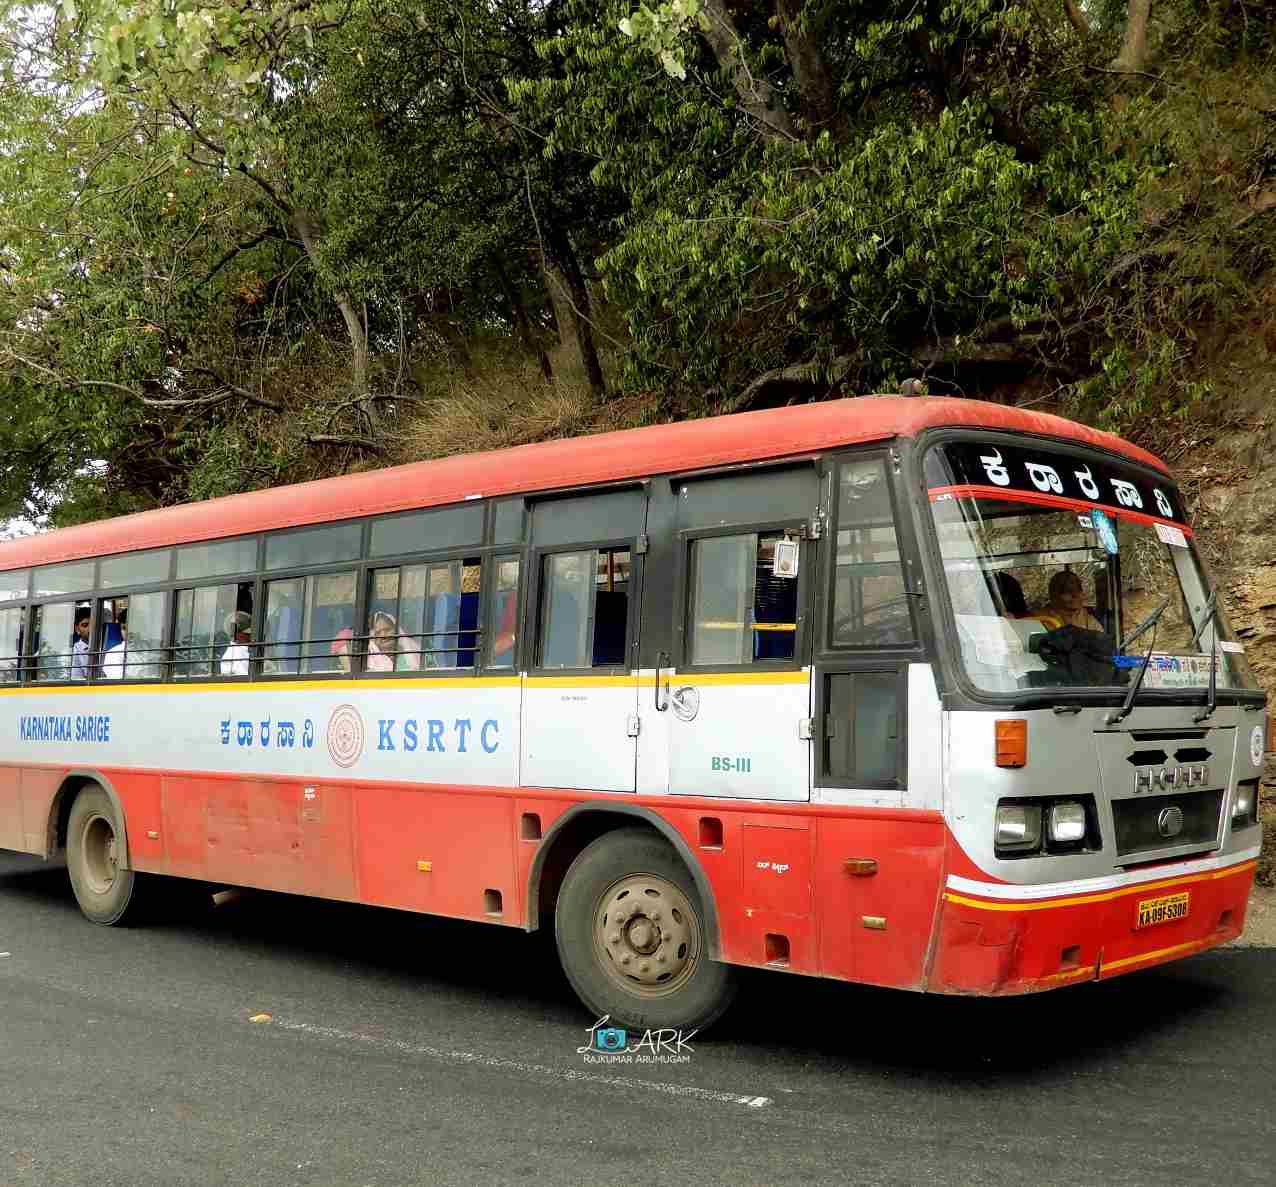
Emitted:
<point x="354" y="442"/>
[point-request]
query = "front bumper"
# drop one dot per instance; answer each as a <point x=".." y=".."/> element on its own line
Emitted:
<point x="999" y="939"/>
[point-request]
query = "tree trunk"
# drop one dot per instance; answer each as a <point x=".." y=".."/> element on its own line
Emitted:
<point x="1134" y="51"/>
<point x="757" y="96"/>
<point x="1076" y="17"/>
<point x="571" y="303"/>
<point x="522" y="324"/>
<point x="309" y="234"/>
<point x="810" y="71"/>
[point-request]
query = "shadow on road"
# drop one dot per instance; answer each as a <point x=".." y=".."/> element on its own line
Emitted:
<point x="801" y="1018"/>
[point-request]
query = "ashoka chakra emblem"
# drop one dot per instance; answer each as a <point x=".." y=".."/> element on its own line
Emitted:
<point x="345" y="735"/>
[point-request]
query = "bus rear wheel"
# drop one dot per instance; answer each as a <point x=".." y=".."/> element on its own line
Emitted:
<point x="105" y="889"/>
<point x="630" y="930"/>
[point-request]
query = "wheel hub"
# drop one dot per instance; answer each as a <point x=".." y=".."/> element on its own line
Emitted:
<point x="646" y="934"/>
<point x="100" y="853"/>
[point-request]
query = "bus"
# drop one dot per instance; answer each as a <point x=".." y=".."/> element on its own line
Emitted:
<point x="926" y="693"/>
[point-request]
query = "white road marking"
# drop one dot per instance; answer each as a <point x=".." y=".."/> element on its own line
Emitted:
<point x="496" y="1063"/>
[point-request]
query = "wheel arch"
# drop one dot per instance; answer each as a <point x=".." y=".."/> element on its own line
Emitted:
<point x="73" y="782"/>
<point x="584" y="823"/>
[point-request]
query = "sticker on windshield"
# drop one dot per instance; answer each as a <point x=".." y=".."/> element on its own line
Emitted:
<point x="1106" y="531"/>
<point x="1169" y="534"/>
<point x="1178" y="671"/>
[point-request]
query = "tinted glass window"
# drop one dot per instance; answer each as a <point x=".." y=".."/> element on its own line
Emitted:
<point x="742" y="608"/>
<point x="861" y="728"/>
<point x="314" y="546"/>
<point x="213" y="631"/>
<point x="585" y="608"/>
<point x="132" y="633"/>
<point x="60" y="579"/>
<point x="428" y="531"/>
<point x="10" y="644"/>
<point x="54" y="640"/>
<point x="870" y="601"/>
<point x="503" y="624"/>
<point x="134" y="568"/>
<point x="309" y="624"/>
<point x="216" y="560"/>
<point x="508" y="522"/>
<point x="424" y="616"/>
<point x="14" y="584"/>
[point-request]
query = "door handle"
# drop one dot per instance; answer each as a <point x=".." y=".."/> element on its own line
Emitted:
<point x="662" y="658"/>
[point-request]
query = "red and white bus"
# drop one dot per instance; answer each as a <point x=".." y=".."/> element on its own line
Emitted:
<point x="925" y="693"/>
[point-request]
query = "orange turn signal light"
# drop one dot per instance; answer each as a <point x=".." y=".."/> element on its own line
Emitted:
<point x="1012" y="742"/>
<point x="1271" y="733"/>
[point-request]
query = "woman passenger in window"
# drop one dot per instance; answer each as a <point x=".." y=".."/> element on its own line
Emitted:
<point x="388" y="649"/>
<point x="1067" y="604"/>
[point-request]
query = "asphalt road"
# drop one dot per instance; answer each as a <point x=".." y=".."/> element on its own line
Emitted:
<point x="407" y="1050"/>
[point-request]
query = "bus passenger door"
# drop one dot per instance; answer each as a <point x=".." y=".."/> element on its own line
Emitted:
<point x="580" y="692"/>
<point x="736" y="698"/>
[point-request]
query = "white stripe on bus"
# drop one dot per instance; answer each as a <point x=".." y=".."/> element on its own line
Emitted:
<point x="1043" y="890"/>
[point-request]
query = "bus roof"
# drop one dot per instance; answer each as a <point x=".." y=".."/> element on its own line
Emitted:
<point x="573" y="462"/>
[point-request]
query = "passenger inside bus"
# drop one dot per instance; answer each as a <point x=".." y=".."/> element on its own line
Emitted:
<point x="341" y="648"/>
<point x="389" y="650"/>
<point x="234" y="661"/>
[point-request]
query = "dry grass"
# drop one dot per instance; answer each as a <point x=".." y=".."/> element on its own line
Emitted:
<point x="501" y="398"/>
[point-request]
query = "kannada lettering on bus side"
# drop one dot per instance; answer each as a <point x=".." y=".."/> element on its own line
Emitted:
<point x="347" y="737"/>
<point x="1044" y="472"/>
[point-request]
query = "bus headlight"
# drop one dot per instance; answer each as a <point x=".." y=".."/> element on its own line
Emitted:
<point x="1018" y="827"/>
<point x="1067" y="822"/>
<point x="1243" y="804"/>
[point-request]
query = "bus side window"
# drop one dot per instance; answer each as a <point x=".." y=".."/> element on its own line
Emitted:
<point x="10" y="644"/>
<point x="584" y="616"/>
<point x="424" y="616"/>
<point x="132" y="637"/>
<point x="870" y="602"/>
<point x="209" y="631"/>
<point x="862" y="728"/>
<point x="309" y="624"/>
<point x="742" y="612"/>
<point x="54" y="637"/>
<point x="503" y="615"/>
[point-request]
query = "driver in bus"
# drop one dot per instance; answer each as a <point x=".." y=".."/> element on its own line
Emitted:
<point x="1067" y="604"/>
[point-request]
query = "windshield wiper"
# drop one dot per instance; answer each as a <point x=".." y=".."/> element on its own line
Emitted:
<point x="1211" y="698"/>
<point x="1119" y="715"/>
<point x="1146" y="625"/>
<point x="1206" y="615"/>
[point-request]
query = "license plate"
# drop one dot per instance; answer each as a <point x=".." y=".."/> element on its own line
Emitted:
<point x="1165" y="909"/>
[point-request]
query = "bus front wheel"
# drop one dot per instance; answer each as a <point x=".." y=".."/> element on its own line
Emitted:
<point x="106" y="891"/>
<point x="630" y="931"/>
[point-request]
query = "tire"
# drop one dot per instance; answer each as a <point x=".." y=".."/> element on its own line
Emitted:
<point x="106" y="893"/>
<point x="630" y="930"/>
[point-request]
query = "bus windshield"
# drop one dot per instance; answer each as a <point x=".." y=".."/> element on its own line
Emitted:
<point x="1065" y="572"/>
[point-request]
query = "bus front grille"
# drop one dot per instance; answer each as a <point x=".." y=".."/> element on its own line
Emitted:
<point x="1141" y="826"/>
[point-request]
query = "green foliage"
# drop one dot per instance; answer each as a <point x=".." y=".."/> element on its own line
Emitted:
<point x="209" y="213"/>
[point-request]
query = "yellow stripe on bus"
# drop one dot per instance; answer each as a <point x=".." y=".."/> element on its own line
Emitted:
<point x="630" y="681"/>
<point x="1100" y="897"/>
